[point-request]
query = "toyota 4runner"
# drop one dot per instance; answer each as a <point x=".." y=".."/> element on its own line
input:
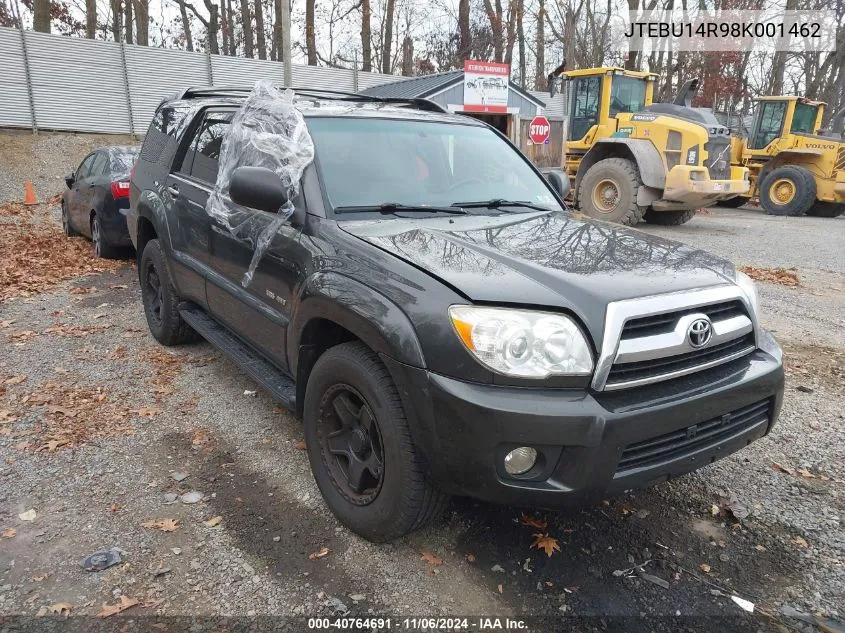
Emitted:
<point x="407" y="283"/>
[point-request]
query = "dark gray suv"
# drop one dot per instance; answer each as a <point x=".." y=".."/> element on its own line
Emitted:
<point x="422" y="298"/>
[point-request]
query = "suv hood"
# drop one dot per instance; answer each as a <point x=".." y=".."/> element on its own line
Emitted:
<point x="545" y="259"/>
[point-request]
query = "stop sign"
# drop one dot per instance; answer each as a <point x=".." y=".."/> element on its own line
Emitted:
<point x="539" y="130"/>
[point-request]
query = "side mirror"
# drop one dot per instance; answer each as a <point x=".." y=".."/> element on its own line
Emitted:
<point x="258" y="188"/>
<point x="69" y="180"/>
<point x="559" y="181"/>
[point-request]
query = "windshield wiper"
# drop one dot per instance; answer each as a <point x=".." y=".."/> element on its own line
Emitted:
<point x="393" y="207"/>
<point x="498" y="203"/>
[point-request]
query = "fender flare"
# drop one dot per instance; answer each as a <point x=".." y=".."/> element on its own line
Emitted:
<point x="644" y="154"/>
<point x="783" y="158"/>
<point x="369" y="315"/>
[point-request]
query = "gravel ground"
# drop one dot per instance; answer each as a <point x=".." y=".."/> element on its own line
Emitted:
<point x="147" y="414"/>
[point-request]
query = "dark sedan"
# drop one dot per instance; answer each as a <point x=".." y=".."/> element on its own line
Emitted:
<point x="97" y="199"/>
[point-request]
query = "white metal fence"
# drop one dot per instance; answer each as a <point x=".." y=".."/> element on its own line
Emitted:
<point x="54" y="82"/>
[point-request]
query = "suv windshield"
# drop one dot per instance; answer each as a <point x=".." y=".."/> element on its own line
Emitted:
<point x="370" y="162"/>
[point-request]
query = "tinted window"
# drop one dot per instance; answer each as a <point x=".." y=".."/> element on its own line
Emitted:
<point x="366" y="162"/>
<point x="769" y="123"/>
<point x="804" y="119"/>
<point x="627" y="94"/>
<point x="167" y="119"/>
<point x="121" y="162"/>
<point x="85" y="167"/>
<point x="98" y="167"/>
<point x="585" y="105"/>
<point x="202" y="157"/>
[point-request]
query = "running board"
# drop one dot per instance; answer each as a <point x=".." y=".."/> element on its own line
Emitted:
<point x="280" y="386"/>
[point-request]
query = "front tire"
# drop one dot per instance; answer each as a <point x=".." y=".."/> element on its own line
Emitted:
<point x="733" y="203"/>
<point x="669" y="218"/>
<point x="826" y="210"/>
<point x="102" y="249"/>
<point x="161" y="302"/>
<point x="608" y="191"/>
<point x="788" y="190"/>
<point x="67" y="229"/>
<point x="360" y="448"/>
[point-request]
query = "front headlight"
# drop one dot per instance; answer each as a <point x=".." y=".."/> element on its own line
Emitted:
<point x="746" y="284"/>
<point x="523" y="343"/>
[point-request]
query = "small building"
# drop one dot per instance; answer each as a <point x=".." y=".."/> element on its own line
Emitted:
<point x="447" y="90"/>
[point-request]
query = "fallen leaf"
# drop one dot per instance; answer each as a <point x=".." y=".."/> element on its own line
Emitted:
<point x="470" y="558"/>
<point x="148" y="412"/>
<point x="715" y="510"/>
<point x="430" y="558"/>
<point x="800" y="541"/>
<point x="15" y="380"/>
<point x="29" y="515"/>
<point x="117" y="286"/>
<point x="745" y="605"/>
<point x="545" y="543"/>
<point x="534" y="522"/>
<point x="40" y="578"/>
<point x="213" y="521"/>
<point x="500" y="588"/>
<point x="780" y="276"/>
<point x="113" y="609"/>
<point x="760" y="548"/>
<point x="705" y="568"/>
<point x="9" y="533"/>
<point x="114" y="507"/>
<point x="52" y="445"/>
<point x="248" y="392"/>
<point x="300" y="445"/>
<point x="324" y="551"/>
<point x="165" y="525"/>
<point x="61" y="608"/>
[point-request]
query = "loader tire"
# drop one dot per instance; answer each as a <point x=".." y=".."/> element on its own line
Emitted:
<point x="733" y="203"/>
<point x="788" y="190"/>
<point x="669" y="218"/>
<point x="608" y="191"/>
<point x="826" y="210"/>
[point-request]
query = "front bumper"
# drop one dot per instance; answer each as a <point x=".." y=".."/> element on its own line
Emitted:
<point x="465" y="429"/>
<point x="681" y="188"/>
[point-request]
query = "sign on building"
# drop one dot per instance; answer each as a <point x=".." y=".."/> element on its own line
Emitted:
<point x="486" y="86"/>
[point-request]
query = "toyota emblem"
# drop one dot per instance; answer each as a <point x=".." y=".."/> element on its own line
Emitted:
<point x="700" y="332"/>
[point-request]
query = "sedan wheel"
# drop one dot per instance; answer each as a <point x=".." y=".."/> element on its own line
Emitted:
<point x="102" y="248"/>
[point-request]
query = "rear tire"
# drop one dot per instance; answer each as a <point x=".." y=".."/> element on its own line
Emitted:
<point x="733" y="203"/>
<point x="355" y="424"/>
<point x="826" y="210"/>
<point x="102" y="249"/>
<point x="608" y="191"/>
<point x="669" y="218"/>
<point x="161" y="302"/>
<point x="788" y="190"/>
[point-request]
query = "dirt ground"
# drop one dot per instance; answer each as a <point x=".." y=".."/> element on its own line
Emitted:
<point x="102" y="432"/>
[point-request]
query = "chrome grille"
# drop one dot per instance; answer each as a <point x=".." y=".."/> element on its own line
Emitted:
<point x="658" y="323"/>
<point x="684" y="441"/>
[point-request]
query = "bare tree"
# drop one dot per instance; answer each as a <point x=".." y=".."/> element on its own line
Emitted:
<point x="246" y="23"/>
<point x="407" y="56"/>
<point x="116" y="19"/>
<point x="90" y="19"/>
<point x="464" y="37"/>
<point x="540" y="57"/>
<point x="142" y="21"/>
<point x="261" y="41"/>
<point x="387" y="40"/>
<point x="366" y="37"/>
<point x="211" y="23"/>
<point x="277" y="29"/>
<point x="310" y="36"/>
<point x="520" y="38"/>
<point x="41" y="16"/>
<point x="494" y="15"/>
<point x="186" y="26"/>
<point x="127" y="21"/>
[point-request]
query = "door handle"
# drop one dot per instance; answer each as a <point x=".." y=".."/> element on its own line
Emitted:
<point x="173" y="190"/>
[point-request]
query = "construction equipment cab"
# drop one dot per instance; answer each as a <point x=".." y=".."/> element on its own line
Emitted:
<point x="634" y="160"/>
<point x="795" y="168"/>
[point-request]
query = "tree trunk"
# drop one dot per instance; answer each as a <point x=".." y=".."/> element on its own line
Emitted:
<point x="520" y="37"/>
<point x="90" y="19"/>
<point x="142" y="22"/>
<point x="407" y="57"/>
<point x="261" y="41"/>
<point x="127" y="22"/>
<point x="464" y="41"/>
<point x="246" y="24"/>
<point x="366" y="44"/>
<point x="230" y="28"/>
<point x="116" y="19"/>
<point x="41" y="16"/>
<point x="387" y="43"/>
<point x="540" y="82"/>
<point x="277" y="30"/>
<point x="494" y="15"/>
<point x="186" y="26"/>
<point x="310" y="38"/>
<point x="510" y="39"/>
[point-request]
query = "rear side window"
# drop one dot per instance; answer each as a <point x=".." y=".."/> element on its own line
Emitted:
<point x="99" y="165"/>
<point x="202" y="156"/>
<point x="163" y="129"/>
<point x="85" y="167"/>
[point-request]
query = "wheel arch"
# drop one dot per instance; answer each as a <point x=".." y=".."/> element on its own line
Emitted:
<point x="334" y="309"/>
<point x="791" y="158"/>
<point x="642" y="153"/>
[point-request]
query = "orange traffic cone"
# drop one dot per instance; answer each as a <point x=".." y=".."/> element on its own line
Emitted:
<point x="29" y="197"/>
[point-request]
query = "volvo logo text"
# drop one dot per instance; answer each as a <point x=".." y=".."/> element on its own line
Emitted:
<point x="700" y="332"/>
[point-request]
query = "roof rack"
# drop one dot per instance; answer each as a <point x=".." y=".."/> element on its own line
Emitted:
<point x="338" y="95"/>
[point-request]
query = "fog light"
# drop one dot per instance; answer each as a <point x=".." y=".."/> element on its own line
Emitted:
<point x="520" y="460"/>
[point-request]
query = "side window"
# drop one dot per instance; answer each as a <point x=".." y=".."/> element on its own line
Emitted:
<point x="769" y="124"/>
<point x="85" y="167"/>
<point x="98" y="166"/>
<point x="585" y="106"/>
<point x="206" y="161"/>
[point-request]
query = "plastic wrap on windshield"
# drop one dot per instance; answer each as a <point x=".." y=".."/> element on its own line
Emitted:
<point x="120" y="160"/>
<point x="268" y="131"/>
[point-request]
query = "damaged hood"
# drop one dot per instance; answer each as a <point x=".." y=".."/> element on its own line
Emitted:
<point x="544" y="259"/>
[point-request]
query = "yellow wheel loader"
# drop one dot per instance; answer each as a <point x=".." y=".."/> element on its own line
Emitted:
<point x="632" y="160"/>
<point x="795" y="167"/>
